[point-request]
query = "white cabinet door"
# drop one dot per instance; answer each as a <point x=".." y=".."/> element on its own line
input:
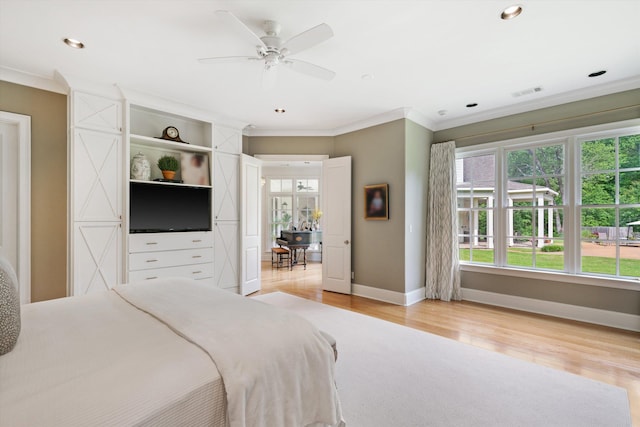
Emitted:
<point x="225" y="187"/>
<point x="97" y="176"/>
<point x="97" y="112"/>
<point x="225" y="249"/>
<point x="227" y="140"/>
<point x="96" y="257"/>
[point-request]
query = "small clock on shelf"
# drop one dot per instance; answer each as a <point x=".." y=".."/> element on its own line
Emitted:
<point x="172" y="134"/>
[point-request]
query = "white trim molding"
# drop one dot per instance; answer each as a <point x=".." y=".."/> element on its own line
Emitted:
<point x="24" y="201"/>
<point x="32" y="80"/>
<point x="597" y="316"/>
<point x="385" y="295"/>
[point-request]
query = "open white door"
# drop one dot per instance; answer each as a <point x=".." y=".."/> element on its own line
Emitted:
<point x="336" y="233"/>
<point x="250" y="172"/>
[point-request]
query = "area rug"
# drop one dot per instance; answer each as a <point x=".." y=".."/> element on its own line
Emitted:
<point x="394" y="376"/>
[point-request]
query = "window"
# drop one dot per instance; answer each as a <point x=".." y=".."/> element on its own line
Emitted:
<point x="567" y="205"/>
<point x="292" y="205"/>
<point x="610" y="205"/>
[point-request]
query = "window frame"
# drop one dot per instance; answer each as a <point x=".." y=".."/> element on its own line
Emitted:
<point x="572" y="140"/>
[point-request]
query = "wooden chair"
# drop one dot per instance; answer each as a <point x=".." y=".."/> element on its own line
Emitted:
<point x="278" y="255"/>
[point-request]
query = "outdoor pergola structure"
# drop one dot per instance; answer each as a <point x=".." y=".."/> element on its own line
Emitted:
<point x="516" y="191"/>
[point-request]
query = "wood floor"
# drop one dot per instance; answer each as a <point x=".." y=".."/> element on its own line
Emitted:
<point x="601" y="353"/>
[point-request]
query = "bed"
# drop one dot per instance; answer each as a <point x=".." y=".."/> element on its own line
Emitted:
<point x="165" y="353"/>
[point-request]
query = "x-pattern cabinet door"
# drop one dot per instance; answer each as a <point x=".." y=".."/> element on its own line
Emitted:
<point x="225" y="191"/>
<point x="97" y="176"/>
<point x="96" y="262"/>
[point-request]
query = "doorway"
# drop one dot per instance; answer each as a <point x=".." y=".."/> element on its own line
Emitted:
<point x="291" y="192"/>
<point x="15" y="192"/>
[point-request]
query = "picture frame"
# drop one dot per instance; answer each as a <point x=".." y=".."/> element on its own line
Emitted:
<point x="376" y="202"/>
<point x="195" y="168"/>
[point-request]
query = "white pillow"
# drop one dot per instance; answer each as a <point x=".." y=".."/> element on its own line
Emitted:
<point x="9" y="307"/>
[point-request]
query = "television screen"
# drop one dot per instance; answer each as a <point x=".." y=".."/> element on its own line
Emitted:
<point x="156" y="208"/>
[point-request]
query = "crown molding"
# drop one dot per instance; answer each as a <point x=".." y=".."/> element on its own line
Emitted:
<point x="549" y="101"/>
<point x="32" y="80"/>
<point x="389" y="116"/>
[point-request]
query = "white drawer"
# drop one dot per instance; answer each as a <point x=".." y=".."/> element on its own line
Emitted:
<point x="161" y="259"/>
<point x="196" y="271"/>
<point x="150" y="242"/>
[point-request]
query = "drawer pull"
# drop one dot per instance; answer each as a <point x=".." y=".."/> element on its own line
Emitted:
<point x="197" y="256"/>
<point x="152" y="277"/>
<point x="197" y="272"/>
<point x="152" y="260"/>
<point x="152" y="243"/>
<point x="197" y="241"/>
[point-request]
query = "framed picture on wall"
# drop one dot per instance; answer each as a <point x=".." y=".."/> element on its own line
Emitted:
<point x="376" y="202"/>
<point x="195" y="168"/>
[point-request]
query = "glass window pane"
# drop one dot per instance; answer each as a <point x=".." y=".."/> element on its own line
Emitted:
<point x="482" y="250"/>
<point x="629" y="187"/>
<point x="520" y="256"/>
<point x="550" y="160"/>
<point x="598" y="247"/>
<point x="598" y="189"/>
<point x="520" y="163"/>
<point x="598" y="155"/>
<point x="521" y="226"/>
<point x="275" y="186"/>
<point x="287" y="186"/>
<point x="312" y="185"/>
<point x="463" y="226"/>
<point x="629" y="151"/>
<point x="550" y="189"/>
<point x="479" y="171"/>
<point x="630" y="242"/>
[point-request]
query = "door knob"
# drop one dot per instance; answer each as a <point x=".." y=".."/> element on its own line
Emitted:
<point x="346" y="242"/>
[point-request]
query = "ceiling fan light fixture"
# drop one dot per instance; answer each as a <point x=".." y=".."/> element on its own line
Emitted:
<point x="597" y="73"/>
<point x="76" y="44"/>
<point x="279" y="110"/>
<point x="511" y="12"/>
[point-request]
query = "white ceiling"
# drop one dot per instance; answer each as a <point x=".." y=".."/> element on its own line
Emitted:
<point x="424" y="55"/>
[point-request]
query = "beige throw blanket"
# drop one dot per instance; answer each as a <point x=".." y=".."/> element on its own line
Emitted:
<point x="277" y="368"/>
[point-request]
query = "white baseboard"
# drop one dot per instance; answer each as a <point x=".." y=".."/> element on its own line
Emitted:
<point x="567" y="311"/>
<point x="393" y="297"/>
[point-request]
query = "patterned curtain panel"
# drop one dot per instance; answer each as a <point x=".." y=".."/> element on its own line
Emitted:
<point x="443" y="270"/>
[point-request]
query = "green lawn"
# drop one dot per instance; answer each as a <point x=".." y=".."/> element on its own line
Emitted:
<point x="521" y="257"/>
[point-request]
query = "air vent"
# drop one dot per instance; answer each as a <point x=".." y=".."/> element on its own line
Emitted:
<point x="527" y="91"/>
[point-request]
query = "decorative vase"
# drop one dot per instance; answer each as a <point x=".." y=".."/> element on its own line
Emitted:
<point x="140" y="167"/>
<point x="168" y="174"/>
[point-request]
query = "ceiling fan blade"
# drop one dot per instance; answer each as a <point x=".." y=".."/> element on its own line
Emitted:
<point x="309" y="69"/>
<point x="234" y="20"/>
<point x="269" y="77"/>
<point x="228" y="59"/>
<point x="307" y="39"/>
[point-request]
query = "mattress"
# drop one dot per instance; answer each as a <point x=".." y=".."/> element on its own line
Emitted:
<point x="96" y="360"/>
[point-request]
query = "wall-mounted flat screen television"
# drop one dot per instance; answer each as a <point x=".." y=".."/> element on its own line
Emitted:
<point x="156" y="208"/>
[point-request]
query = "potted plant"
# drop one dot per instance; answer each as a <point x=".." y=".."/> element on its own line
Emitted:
<point x="168" y="165"/>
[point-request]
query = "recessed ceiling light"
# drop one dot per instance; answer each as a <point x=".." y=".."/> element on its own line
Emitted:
<point x="442" y="112"/>
<point x="473" y="104"/>
<point x="76" y="44"/>
<point x="279" y="110"/>
<point x="367" y="77"/>
<point x="511" y="12"/>
<point x="597" y="73"/>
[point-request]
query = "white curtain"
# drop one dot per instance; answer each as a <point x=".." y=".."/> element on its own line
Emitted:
<point x="443" y="270"/>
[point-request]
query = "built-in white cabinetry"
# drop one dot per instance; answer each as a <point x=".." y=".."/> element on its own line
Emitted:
<point x="226" y="206"/>
<point x="106" y="247"/>
<point x="162" y="253"/>
<point x="95" y="193"/>
<point x="158" y="255"/>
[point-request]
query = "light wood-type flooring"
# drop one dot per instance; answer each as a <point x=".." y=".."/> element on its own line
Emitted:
<point x="601" y="353"/>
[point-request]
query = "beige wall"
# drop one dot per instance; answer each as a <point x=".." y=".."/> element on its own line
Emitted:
<point x="48" y="113"/>
<point x="378" y="246"/>
<point x="604" y="109"/>
<point x="289" y="145"/>
<point x="417" y="149"/>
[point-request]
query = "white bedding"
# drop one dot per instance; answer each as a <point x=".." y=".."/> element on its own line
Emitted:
<point x="96" y="360"/>
<point x="277" y="368"/>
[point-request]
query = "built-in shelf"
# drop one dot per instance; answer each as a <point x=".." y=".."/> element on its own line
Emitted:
<point x="158" y="143"/>
<point x="141" y="181"/>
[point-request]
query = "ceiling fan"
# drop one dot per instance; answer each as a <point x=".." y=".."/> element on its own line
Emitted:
<point x="274" y="52"/>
